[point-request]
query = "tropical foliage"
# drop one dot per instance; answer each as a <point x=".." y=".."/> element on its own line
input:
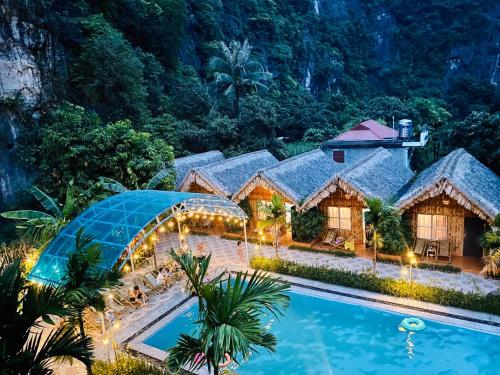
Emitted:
<point x="230" y="316"/>
<point x="274" y="218"/>
<point x="27" y="313"/>
<point x="138" y="90"/>
<point x="307" y="226"/>
<point x="84" y="280"/>
<point x="236" y="73"/>
<point x="384" y="224"/>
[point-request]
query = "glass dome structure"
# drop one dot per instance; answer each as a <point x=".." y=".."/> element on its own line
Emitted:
<point x="115" y="221"/>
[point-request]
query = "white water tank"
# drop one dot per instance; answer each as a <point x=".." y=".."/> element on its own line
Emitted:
<point x="405" y="129"/>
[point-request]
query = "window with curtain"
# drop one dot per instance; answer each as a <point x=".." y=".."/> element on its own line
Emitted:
<point x="339" y="218"/>
<point x="432" y="227"/>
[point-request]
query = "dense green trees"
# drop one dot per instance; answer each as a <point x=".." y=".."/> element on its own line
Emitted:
<point x="75" y="145"/>
<point x="139" y="74"/>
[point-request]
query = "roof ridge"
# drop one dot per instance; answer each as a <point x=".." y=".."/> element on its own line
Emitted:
<point x="363" y="160"/>
<point x="293" y="158"/>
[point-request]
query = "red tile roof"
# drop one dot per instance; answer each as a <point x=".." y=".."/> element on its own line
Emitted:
<point x="369" y="130"/>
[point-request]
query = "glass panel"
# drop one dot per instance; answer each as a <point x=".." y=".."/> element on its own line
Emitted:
<point x="424" y="233"/>
<point x="424" y="220"/>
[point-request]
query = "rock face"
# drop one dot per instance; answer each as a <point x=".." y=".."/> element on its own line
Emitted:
<point x="26" y="63"/>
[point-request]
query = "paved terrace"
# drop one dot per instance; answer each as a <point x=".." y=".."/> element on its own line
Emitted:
<point x="224" y="256"/>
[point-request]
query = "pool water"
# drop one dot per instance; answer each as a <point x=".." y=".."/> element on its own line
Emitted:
<point x="320" y="336"/>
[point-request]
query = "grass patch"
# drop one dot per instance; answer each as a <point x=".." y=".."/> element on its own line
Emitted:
<point x="338" y="253"/>
<point x="391" y="287"/>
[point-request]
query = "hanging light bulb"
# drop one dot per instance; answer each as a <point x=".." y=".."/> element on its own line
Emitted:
<point x="161" y="229"/>
<point x="186" y="230"/>
<point x="144" y="246"/>
<point x="170" y="224"/>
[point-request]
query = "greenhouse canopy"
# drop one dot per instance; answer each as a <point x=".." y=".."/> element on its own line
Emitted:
<point x="116" y="221"/>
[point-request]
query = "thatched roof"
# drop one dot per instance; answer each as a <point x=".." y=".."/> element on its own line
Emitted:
<point x="463" y="178"/>
<point x="294" y="178"/>
<point x="228" y="176"/>
<point x="184" y="165"/>
<point x="377" y="175"/>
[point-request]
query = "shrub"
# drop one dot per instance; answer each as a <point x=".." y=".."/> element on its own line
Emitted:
<point x="339" y="253"/>
<point x="306" y="226"/>
<point x="126" y="365"/>
<point x="429" y="266"/>
<point x="397" y="288"/>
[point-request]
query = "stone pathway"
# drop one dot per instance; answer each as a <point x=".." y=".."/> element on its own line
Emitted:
<point x="224" y="253"/>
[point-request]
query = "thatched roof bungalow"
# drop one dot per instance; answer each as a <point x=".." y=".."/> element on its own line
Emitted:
<point x="294" y="179"/>
<point x="375" y="175"/>
<point x="453" y="200"/>
<point x="341" y="197"/>
<point x="183" y="165"/>
<point x="227" y="176"/>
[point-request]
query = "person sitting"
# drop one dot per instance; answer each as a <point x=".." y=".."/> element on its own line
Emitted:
<point x="137" y="295"/>
<point x="163" y="278"/>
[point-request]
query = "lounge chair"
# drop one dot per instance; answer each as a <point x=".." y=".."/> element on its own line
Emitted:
<point x="329" y="237"/>
<point x="118" y="295"/>
<point x="207" y="223"/>
<point x="150" y="281"/>
<point x="419" y="247"/>
<point x="342" y="243"/>
<point x="444" y="250"/>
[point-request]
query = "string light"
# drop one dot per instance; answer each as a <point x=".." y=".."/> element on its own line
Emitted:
<point x="144" y="246"/>
<point x="126" y="268"/>
<point x="170" y="224"/>
<point x="161" y="229"/>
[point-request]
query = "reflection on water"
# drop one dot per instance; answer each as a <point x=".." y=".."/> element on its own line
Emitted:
<point x="319" y="336"/>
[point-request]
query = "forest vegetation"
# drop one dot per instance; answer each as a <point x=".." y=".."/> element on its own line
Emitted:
<point x="140" y="82"/>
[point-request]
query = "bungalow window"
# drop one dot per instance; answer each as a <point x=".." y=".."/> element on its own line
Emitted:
<point x="339" y="218"/>
<point x="339" y="156"/>
<point x="432" y="227"/>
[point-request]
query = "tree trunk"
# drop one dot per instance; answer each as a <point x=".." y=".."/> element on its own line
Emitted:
<point x="216" y="370"/>
<point x="276" y="240"/>
<point x="374" y="266"/>
<point x="82" y="333"/>
<point x="237" y="102"/>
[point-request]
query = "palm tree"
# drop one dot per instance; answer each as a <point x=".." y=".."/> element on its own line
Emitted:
<point x="379" y="213"/>
<point x="275" y="214"/>
<point x="85" y="281"/>
<point x="43" y="226"/>
<point x="235" y="72"/>
<point x="25" y="349"/>
<point x="229" y="316"/>
<point x="118" y="187"/>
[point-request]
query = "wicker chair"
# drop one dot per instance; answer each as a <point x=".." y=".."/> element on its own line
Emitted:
<point x="444" y="250"/>
<point x="419" y="247"/>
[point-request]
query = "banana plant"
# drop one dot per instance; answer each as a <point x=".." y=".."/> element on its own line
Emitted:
<point x="118" y="187"/>
<point x="42" y="226"/>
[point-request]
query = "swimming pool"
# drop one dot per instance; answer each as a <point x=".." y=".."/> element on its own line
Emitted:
<point x="323" y="336"/>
